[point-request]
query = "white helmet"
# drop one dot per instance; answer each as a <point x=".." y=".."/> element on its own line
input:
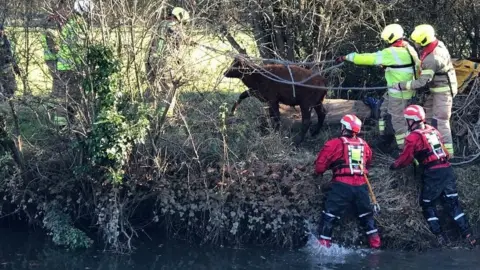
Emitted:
<point x="181" y="14"/>
<point x="83" y="6"/>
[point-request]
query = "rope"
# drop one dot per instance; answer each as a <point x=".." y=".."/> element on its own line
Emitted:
<point x="287" y="62"/>
<point x="278" y="79"/>
<point x="291" y="76"/>
<point x="275" y="78"/>
<point x="278" y="61"/>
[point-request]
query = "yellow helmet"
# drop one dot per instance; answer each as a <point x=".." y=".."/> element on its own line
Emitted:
<point x="423" y="34"/>
<point x="181" y="14"/>
<point x="392" y="32"/>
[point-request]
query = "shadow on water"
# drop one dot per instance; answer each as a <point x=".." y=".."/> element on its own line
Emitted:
<point x="21" y="250"/>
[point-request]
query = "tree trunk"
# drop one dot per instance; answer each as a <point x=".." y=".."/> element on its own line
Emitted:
<point x="232" y="41"/>
<point x="260" y="36"/>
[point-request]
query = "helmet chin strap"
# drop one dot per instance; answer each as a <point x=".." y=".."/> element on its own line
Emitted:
<point x="346" y="132"/>
<point x="415" y="125"/>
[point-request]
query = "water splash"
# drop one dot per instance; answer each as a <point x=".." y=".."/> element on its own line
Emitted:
<point x="324" y="257"/>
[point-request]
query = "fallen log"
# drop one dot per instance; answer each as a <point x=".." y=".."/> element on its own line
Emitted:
<point x="336" y="109"/>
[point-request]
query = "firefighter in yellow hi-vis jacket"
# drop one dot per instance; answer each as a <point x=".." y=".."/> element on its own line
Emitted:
<point x="438" y="74"/>
<point x="49" y="38"/>
<point x="401" y="63"/>
<point x="71" y="52"/>
<point x="165" y="45"/>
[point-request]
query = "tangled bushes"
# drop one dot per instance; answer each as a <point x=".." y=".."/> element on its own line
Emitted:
<point x="264" y="190"/>
<point x="217" y="182"/>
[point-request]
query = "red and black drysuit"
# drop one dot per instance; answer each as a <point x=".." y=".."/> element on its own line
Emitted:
<point x="438" y="178"/>
<point x="349" y="159"/>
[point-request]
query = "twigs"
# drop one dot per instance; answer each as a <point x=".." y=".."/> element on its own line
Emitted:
<point x="466" y="123"/>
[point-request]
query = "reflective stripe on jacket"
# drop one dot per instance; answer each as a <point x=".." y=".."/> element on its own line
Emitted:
<point x="389" y="58"/>
<point x="437" y="72"/>
<point x="71" y="47"/>
<point x="354" y="158"/>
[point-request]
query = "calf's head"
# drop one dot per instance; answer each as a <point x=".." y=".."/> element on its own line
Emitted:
<point x="238" y="68"/>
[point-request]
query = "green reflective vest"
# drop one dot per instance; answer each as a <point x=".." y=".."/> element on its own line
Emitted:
<point x="71" y="49"/>
<point x="48" y="55"/>
<point x="398" y="63"/>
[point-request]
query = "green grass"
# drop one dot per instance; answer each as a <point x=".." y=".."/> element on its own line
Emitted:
<point x="204" y="67"/>
<point x="29" y="53"/>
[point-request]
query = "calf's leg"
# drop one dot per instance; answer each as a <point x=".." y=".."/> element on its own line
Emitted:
<point x="242" y="96"/>
<point x="306" y="111"/>
<point x="321" y="113"/>
<point x="274" y="111"/>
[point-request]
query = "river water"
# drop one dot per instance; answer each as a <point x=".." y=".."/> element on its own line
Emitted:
<point x="21" y="250"/>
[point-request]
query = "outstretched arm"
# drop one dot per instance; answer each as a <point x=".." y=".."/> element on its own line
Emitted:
<point x="384" y="57"/>
<point x="407" y="156"/>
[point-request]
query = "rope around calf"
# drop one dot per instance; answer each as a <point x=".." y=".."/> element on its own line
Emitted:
<point x="291" y="76"/>
<point x="278" y="79"/>
<point x="287" y="63"/>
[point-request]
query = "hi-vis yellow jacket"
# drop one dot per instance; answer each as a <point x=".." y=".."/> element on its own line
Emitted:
<point x="401" y="64"/>
<point x="72" y="49"/>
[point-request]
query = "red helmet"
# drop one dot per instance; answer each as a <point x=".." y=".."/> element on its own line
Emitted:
<point x="352" y="123"/>
<point x="415" y="113"/>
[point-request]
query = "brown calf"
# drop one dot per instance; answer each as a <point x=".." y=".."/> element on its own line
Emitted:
<point x="267" y="90"/>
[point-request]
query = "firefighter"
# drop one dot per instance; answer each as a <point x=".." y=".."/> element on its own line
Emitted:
<point x="70" y="54"/>
<point x="165" y="43"/>
<point x="349" y="158"/>
<point x="8" y="67"/>
<point x="50" y="48"/>
<point x="400" y="61"/>
<point x="424" y="143"/>
<point x="438" y="74"/>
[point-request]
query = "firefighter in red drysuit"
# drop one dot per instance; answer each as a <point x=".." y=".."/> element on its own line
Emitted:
<point x="424" y="144"/>
<point x="349" y="158"/>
